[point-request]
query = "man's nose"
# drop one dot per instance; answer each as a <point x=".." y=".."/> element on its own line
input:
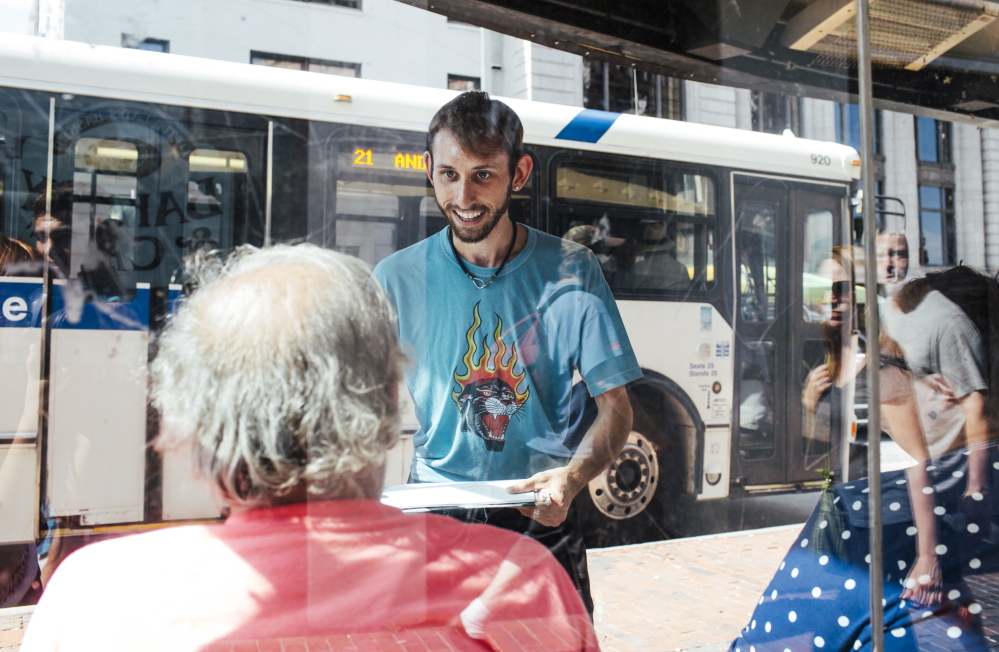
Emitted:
<point x="466" y="193"/>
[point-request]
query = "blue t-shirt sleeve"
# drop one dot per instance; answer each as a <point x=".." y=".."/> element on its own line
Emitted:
<point x="606" y="359"/>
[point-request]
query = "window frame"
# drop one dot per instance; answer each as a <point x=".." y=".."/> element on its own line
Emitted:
<point x="947" y="222"/>
<point x="130" y="42"/>
<point x="304" y="62"/>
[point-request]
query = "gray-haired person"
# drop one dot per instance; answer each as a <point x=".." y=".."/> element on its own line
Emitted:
<point x="279" y="374"/>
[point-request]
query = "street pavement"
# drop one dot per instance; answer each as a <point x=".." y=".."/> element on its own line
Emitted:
<point x="684" y="594"/>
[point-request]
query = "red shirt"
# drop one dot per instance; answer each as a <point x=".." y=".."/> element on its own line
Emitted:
<point x="323" y="571"/>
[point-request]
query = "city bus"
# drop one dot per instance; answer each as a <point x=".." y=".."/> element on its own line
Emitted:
<point x="141" y="158"/>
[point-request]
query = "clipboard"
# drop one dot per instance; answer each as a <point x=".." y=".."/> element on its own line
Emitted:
<point x="459" y="495"/>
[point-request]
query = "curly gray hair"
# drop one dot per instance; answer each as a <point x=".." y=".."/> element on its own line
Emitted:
<point x="279" y="372"/>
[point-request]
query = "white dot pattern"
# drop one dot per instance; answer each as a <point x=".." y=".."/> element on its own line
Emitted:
<point x="843" y="621"/>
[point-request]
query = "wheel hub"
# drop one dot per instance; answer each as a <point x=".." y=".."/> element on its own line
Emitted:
<point x="625" y="489"/>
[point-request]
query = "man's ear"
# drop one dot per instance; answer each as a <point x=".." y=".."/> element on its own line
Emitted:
<point x="428" y="162"/>
<point x="522" y="171"/>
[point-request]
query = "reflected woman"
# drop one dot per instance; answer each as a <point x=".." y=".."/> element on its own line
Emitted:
<point x="831" y="389"/>
<point x="938" y="515"/>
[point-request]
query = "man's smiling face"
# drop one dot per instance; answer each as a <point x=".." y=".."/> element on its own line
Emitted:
<point x="472" y="192"/>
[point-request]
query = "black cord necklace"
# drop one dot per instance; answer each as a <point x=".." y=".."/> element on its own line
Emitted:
<point x="476" y="281"/>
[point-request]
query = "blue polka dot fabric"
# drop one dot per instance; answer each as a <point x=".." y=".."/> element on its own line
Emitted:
<point x="819" y="597"/>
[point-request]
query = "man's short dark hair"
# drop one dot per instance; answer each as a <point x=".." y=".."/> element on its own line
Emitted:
<point x="482" y="126"/>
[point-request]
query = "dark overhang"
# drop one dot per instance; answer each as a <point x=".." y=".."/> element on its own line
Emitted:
<point x="930" y="57"/>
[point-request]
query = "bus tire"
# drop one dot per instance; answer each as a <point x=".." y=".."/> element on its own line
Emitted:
<point x="630" y="501"/>
<point x="623" y="504"/>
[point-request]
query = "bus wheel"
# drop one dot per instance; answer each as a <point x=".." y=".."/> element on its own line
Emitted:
<point x="616" y="508"/>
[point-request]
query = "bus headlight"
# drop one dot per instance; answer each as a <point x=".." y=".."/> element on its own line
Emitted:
<point x="713" y="474"/>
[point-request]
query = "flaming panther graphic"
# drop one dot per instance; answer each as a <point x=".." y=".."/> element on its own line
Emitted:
<point x="488" y="392"/>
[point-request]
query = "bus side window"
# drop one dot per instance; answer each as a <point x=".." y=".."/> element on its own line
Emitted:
<point x="383" y="199"/>
<point x="216" y="186"/>
<point x="758" y="262"/>
<point x="102" y="222"/>
<point x="651" y="228"/>
<point x="817" y="249"/>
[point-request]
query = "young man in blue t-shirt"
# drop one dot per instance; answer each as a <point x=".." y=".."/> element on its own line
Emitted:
<point x="497" y="317"/>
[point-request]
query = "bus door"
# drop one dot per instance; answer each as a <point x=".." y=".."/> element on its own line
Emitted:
<point x="784" y="232"/>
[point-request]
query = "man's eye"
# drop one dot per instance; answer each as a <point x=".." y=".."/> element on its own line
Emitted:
<point x="483" y="175"/>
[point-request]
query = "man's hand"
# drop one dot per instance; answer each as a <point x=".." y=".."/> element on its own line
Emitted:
<point x="561" y="489"/>
<point x="601" y="444"/>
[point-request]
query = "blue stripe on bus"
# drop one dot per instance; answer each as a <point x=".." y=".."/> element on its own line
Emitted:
<point x="20" y="307"/>
<point x="588" y="126"/>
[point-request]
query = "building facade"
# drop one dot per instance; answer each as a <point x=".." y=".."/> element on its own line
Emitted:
<point x="944" y="176"/>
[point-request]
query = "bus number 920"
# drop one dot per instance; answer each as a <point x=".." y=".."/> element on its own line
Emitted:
<point x="821" y="159"/>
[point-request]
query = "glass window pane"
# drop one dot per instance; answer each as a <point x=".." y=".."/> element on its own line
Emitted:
<point x="462" y="83"/>
<point x="932" y="236"/>
<point x="758" y="262"/>
<point x="926" y="140"/>
<point x="651" y="232"/>
<point x="756" y="400"/>
<point x="383" y="199"/>
<point x="930" y="197"/>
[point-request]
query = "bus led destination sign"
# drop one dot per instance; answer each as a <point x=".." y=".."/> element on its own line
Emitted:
<point x="368" y="158"/>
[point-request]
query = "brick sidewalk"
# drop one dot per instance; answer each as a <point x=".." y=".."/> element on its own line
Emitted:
<point x="683" y="594"/>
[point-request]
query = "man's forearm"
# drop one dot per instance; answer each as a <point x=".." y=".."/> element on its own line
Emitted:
<point x="604" y="440"/>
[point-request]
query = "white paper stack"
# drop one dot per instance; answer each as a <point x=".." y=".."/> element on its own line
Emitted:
<point x="455" y="495"/>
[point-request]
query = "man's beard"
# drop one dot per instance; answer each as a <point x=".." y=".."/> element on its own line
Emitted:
<point x="479" y="232"/>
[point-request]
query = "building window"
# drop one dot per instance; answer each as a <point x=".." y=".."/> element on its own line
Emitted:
<point x="349" y="4"/>
<point x="848" y="127"/>
<point x="933" y="140"/>
<point x="148" y="44"/>
<point x="463" y="83"/>
<point x="773" y="113"/>
<point x="937" y="240"/>
<point x="342" y="68"/>
<point x="623" y="89"/>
